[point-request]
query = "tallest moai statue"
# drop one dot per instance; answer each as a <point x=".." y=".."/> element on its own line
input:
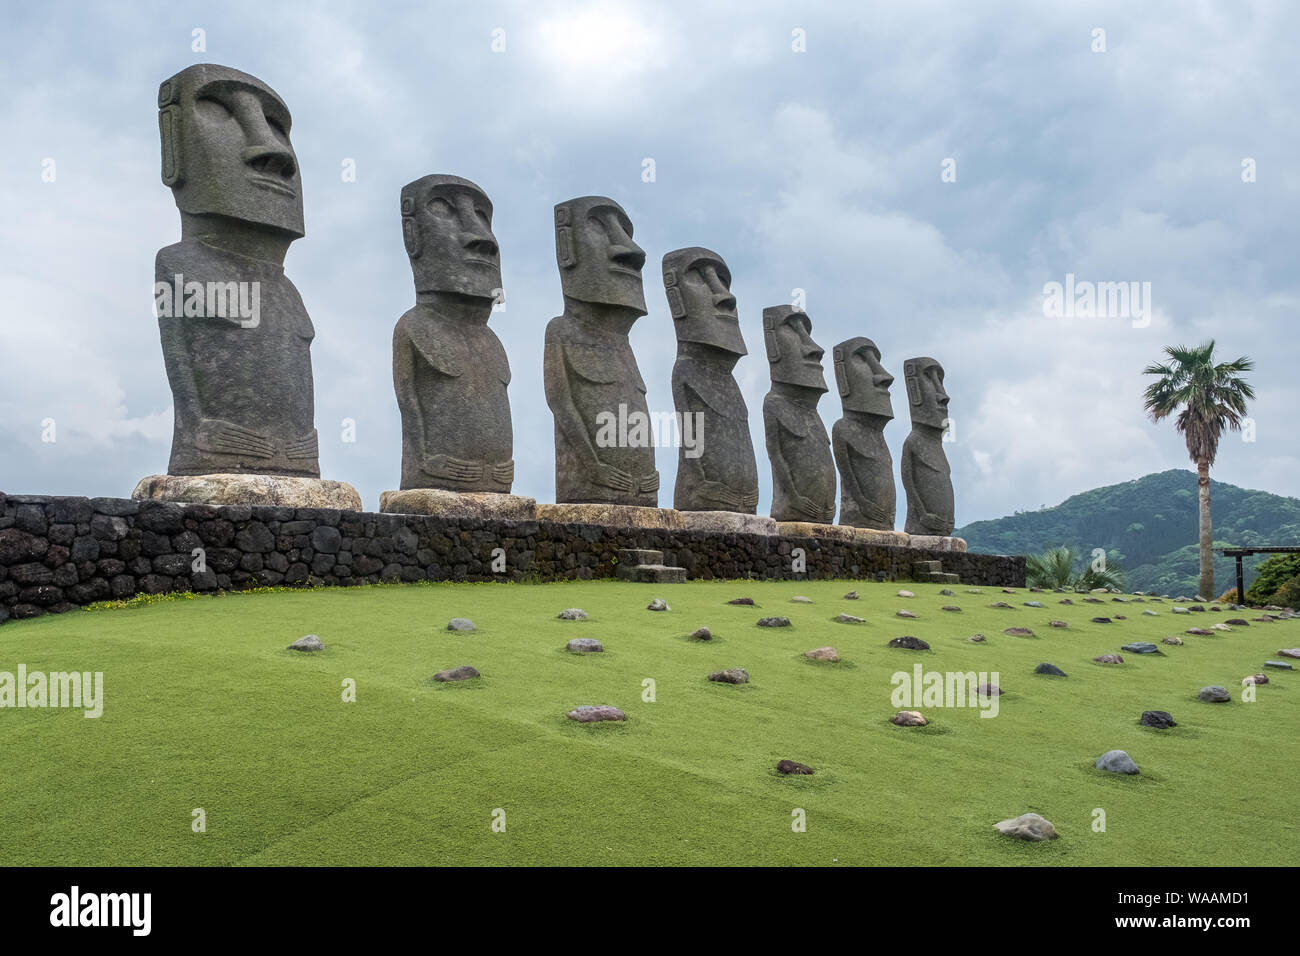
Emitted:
<point x="236" y="338"/>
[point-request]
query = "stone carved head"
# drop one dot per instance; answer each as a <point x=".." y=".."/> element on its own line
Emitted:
<point x="862" y="380"/>
<point x="598" y="260"/>
<point x="925" y="392"/>
<point x="226" y="149"/>
<point x="698" y="285"/>
<point x="794" y="357"/>
<point x="447" y="230"/>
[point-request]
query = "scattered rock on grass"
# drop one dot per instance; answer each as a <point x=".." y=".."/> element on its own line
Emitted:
<point x="848" y="619"/>
<point x="1028" y="826"/>
<point x="851" y="596"/>
<point x="593" y="713"/>
<point x="1018" y="632"/>
<point x="1033" y="604"/>
<point x="909" y="718"/>
<point x="793" y="766"/>
<point x="1140" y="647"/>
<point x="585" y="645"/>
<point x="906" y="594"/>
<point x="905" y="613"/>
<point x="732" y="675"/>
<point x="464" y="672"/>
<point x="1214" y="694"/>
<point x="1003" y="605"/>
<point x="800" y="599"/>
<point x="309" y="643"/>
<point x="658" y="604"/>
<point x="572" y="614"/>
<point x="702" y="634"/>
<point x="1117" y="761"/>
<point x="1109" y="659"/>
<point x="910" y="643"/>
<point x="822" y="654"/>
<point x="1175" y="641"/>
<point x="1057" y="624"/>
<point x="1050" y="669"/>
<point x="1279" y="665"/>
<point x="976" y="638"/>
<point x="1254" y="679"/>
<point x="748" y="602"/>
<point x="1289" y="651"/>
<point x="1101" y="620"/>
<point x="952" y="608"/>
<point x="1159" y="719"/>
<point x="773" y="622"/>
<point x="461" y="624"/>
<point x="989" y="690"/>
<point x="1199" y="631"/>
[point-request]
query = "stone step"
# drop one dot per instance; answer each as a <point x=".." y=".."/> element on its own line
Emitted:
<point x="635" y="556"/>
<point x="652" y="574"/>
<point x="940" y="577"/>
<point x="921" y="568"/>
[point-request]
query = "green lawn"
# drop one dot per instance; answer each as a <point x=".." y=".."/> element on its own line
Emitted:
<point x="206" y="708"/>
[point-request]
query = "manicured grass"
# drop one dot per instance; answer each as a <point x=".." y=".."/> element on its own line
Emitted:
<point x="206" y="708"/>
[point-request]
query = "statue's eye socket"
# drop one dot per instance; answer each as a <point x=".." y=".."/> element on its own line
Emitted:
<point x="440" y="207"/>
<point x="276" y="125"/>
<point x="482" y="214"/>
<point x="212" y="110"/>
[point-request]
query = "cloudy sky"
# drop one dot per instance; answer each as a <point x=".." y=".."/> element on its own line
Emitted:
<point x="821" y="169"/>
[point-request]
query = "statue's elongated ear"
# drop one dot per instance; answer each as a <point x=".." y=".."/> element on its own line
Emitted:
<point x="841" y="373"/>
<point x="674" y="294"/>
<point x="169" y="132"/>
<point x="913" y="383"/>
<point x="565" y="253"/>
<point x="769" y="340"/>
<point x="410" y="229"/>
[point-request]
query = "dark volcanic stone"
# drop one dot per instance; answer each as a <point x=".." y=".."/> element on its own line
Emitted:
<point x="910" y="643"/>
<point x="1050" y="669"/>
<point x="464" y="672"/>
<point x="1160" y="719"/>
<point x="732" y="675"/>
<point x="774" y="622"/>
<point x="792" y="766"/>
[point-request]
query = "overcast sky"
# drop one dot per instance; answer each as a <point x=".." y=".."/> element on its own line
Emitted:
<point x="819" y="170"/>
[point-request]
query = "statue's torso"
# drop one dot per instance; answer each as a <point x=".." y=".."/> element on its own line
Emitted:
<point x="800" y="441"/>
<point x="243" y="392"/>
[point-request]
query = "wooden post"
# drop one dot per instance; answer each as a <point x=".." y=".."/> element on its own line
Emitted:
<point x="1241" y="590"/>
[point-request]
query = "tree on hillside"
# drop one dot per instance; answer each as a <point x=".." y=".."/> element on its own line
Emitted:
<point x="1207" y="398"/>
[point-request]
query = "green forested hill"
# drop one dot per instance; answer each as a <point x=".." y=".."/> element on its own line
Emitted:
<point x="1151" y="524"/>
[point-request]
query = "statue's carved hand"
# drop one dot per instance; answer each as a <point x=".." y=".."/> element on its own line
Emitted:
<point x="722" y="494"/>
<point x="749" y="500"/>
<point x="650" y="482"/>
<point x="455" y="469"/>
<point x="503" y="472"/>
<point x="615" y="478"/>
<point x="811" y="510"/>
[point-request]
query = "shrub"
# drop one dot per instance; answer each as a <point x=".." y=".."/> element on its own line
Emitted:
<point x="1273" y="573"/>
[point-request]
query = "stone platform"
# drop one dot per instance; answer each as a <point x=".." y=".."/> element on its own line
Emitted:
<point x="457" y="504"/>
<point x="612" y="516"/>
<point x="239" y="489"/>
<point x="61" y="553"/>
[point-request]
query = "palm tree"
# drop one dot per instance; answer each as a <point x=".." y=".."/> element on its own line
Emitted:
<point x="1207" y="397"/>
<point x="1055" y="568"/>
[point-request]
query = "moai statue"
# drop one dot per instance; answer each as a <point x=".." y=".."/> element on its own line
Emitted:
<point x="866" y="470"/>
<point x="604" y="452"/>
<point x="450" y="371"/>
<point x="716" y="470"/>
<point x="236" y="338"/>
<point x="803" y="474"/>
<point x="927" y="479"/>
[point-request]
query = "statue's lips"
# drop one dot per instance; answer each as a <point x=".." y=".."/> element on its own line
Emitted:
<point x="726" y="316"/>
<point x="274" y="185"/>
<point x="626" y="271"/>
<point x="481" y="262"/>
